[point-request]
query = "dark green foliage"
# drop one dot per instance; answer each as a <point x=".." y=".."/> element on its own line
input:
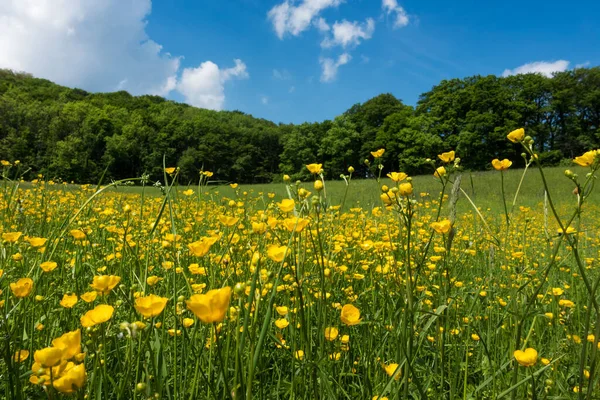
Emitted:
<point x="75" y="135"/>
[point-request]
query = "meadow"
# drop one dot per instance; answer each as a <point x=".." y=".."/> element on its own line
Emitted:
<point x="454" y="285"/>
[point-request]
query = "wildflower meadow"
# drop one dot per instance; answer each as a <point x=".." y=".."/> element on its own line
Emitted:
<point x="143" y="290"/>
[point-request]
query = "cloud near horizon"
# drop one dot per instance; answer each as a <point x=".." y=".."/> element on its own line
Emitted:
<point x="546" y="68"/>
<point x="102" y="45"/>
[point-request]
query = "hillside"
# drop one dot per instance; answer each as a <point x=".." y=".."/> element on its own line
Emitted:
<point x="74" y="135"/>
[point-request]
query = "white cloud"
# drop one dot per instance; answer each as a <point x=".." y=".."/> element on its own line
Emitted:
<point x="102" y="45"/>
<point x="288" y="18"/>
<point x="264" y="100"/>
<point x="292" y="89"/>
<point x="93" y="44"/>
<point x="392" y="7"/>
<point x="204" y="86"/>
<point x="322" y="25"/>
<point x="545" y="68"/>
<point x="282" y="75"/>
<point x="348" y="33"/>
<point x="330" y="66"/>
<point x="583" y="65"/>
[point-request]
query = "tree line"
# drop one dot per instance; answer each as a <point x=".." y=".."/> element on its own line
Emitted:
<point x="75" y="135"/>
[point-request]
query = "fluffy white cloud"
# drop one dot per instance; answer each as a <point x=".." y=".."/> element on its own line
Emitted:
<point x="204" y="86"/>
<point x="582" y="65"/>
<point x="400" y="16"/>
<point x="288" y="18"/>
<point x="545" y="68"/>
<point x="330" y="66"/>
<point x="102" y="45"/>
<point x="348" y="33"/>
<point x="93" y="44"/>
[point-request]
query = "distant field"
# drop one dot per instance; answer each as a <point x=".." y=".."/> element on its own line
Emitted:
<point x="483" y="188"/>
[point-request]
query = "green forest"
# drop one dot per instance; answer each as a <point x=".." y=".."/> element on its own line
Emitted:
<point x="74" y="135"/>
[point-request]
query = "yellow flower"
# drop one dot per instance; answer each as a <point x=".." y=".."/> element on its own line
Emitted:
<point x="586" y="159"/>
<point x="187" y="322"/>
<point x="282" y="310"/>
<point x="21" y="356"/>
<point x="405" y="189"/>
<point x="299" y="355"/>
<point x="447" y="157"/>
<point x="48" y="357"/>
<point x="526" y="358"/>
<point x="68" y="300"/>
<point x="315" y="168"/>
<point x="105" y="283"/>
<point x="188" y="192"/>
<point x="201" y="247"/>
<point x="388" y="198"/>
<point x="501" y="165"/>
<point x="233" y="185"/>
<point x="89" y="296"/>
<point x="11" y="237"/>
<point x="318" y="185"/>
<point x="48" y="266"/>
<point x="212" y="306"/>
<point x="150" y="306"/>
<point x="378" y="153"/>
<point x="153" y="280"/>
<point x="439" y="172"/>
<point x="277" y="253"/>
<point x="475" y="337"/>
<point x="397" y="176"/>
<point x="350" y="315"/>
<point x="391" y="369"/>
<point x="557" y="291"/>
<point x="331" y="333"/>
<point x="517" y="135"/>
<point x="286" y="205"/>
<point x="69" y="344"/>
<point x="566" y="303"/>
<point x="101" y="313"/>
<point x="228" y="221"/>
<point x="259" y="227"/>
<point x="37" y="241"/>
<point x="22" y="288"/>
<point x="71" y="380"/>
<point x="295" y="224"/>
<point x="442" y="226"/>
<point x="170" y="170"/>
<point x="282" y="323"/>
<point x="77" y="234"/>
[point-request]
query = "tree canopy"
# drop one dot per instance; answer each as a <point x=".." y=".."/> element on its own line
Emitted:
<point x="75" y="135"/>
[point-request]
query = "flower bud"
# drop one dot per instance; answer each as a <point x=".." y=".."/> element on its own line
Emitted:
<point x="351" y="169"/>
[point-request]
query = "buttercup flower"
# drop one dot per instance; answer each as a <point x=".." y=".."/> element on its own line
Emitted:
<point x="447" y="157"/>
<point x="105" y="283"/>
<point x="286" y="205"/>
<point x="517" y="135"/>
<point x="442" y="226"/>
<point x="277" y="253"/>
<point x="501" y="165"/>
<point x="378" y="153"/>
<point x="101" y="313"/>
<point x="72" y="379"/>
<point x="586" y="159"/>
<point x="350" y="315"/>
<point x="22" y="287"/>
<point x="68" y="300"/>
<point x="212" y="306"/>
<point x="314" y="168"/>
<point x="48" y="357"/>
<point x="331" y="333"/>
<point x="526" y="358"/>
<point x="397" y="176"/>
<point x="150" y="306"/>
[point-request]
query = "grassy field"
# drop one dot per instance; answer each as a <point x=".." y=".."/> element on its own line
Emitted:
<point x="267" y="291"/>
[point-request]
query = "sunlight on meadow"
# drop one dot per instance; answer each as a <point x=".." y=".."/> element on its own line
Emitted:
<point x="163" y="292"/>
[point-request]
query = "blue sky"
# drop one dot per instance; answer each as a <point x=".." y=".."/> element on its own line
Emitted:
<point x="291" y="61"/>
